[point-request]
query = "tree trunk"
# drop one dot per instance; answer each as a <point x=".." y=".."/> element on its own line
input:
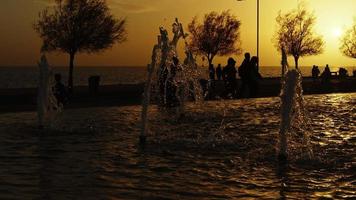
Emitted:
<point x="296" y="62"/>
<point x="210" y="60"/>
<point x="283" y="70"/>
<point x="70" y="76"/>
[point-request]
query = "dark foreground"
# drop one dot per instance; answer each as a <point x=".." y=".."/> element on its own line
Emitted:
<point x="13" y="100"/>
<point x="221" y="150"/>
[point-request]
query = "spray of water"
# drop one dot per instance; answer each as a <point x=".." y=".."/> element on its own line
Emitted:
<point x="294" y="121"/>
<point x="47" y="105"/>
<point x="163" y="73"/>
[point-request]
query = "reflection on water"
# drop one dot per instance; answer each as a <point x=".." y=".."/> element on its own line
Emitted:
<point x="97" y="157"/>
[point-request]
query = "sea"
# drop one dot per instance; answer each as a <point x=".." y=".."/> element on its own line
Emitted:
<point x="27" y="76"/>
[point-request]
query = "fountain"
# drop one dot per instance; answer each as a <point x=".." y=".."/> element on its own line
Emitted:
<point x="292" y="112"/>
<point x="165" y="72"/>
<point x="47" y="105"/>
<point x="237" y="162"/>
<point x="292" y="82"/>
<point x="293" y="119"/>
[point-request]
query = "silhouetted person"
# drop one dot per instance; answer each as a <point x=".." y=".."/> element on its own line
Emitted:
<point x="326" y="75"/>
<point x="204" y="86"/>
<point x="94" y="82"/>
<point x="171" y="87"/>
<point x="224" y="74"/>
<point x="254" y="76"/>
<point x="211" y="72"/>
<point x="211" y="82"/>
<point x="219" y="72"/>
<point x="315" y="72"/>
<point x="230" y="76"/>
<point x="60" y="91"/>
<point x="343" y="73"/>
<point x="244" y="73"/>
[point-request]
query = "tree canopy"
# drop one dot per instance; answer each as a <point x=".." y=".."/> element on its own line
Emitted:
<point x="348" y="42"/>
<point x="296" y="36"/>
<point x="218" y="35"/>
<point x="73" y="26"/>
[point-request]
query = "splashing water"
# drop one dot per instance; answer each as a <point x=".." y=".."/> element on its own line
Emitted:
<point x="47" y="105"/>
<point x="110" y="163"/>
<point x="50" y="112"/>
<point x="294" y="121"/>
<point x="164" y="74"/>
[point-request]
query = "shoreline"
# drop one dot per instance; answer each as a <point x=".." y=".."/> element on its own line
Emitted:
<point x="24" y="99"/>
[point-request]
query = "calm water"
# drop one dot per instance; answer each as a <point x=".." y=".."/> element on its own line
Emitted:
<point x="96" y="156"/>
<point x="23" y="77"/>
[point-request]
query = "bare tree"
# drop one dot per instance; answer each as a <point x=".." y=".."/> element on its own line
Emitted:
<point x="296" y="36"/>
<point x="76" y="26"/>
<point x="348" y="42"/>
<point x="217" y="35"/>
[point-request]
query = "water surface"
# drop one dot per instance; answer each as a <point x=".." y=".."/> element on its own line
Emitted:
<point x="94" y="153"/>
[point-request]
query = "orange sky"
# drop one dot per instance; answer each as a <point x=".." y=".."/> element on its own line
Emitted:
<point x="20" y="45"/>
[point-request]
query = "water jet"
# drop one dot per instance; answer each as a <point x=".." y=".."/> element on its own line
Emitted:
<point x="47" y="104"/>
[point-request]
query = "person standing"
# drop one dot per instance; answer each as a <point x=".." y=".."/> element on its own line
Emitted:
<point x="244" y="71"/>
<point x="219" y="72"/>
<point x="254" y="77"/>
<point x="230" y="75"/>
<point x="211" y="72"/>
<point x="211" y="82"/>
<point x="326" y="75"/>
<point x="315" y="72"/>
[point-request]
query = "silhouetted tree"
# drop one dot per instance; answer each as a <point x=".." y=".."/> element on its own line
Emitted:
<point x="217" y="35"/>
<point x="75" y="26"/>
<point x="295" y="34"/>
<point x="348" y="42"/>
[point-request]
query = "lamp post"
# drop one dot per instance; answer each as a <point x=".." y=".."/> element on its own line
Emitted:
<point x="258" y="30"/>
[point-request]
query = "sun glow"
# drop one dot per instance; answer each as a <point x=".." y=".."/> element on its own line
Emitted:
<point x="337" y="32"/>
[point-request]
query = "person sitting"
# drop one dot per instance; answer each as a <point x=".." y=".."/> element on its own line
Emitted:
<point x="60" y="91"/>
<point x="204" y="87"/>
<point x="343" y="73"/>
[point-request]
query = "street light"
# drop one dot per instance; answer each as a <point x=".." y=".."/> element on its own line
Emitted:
<point x="258" y="30"/>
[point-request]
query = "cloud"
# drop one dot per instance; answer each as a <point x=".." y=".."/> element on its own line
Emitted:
<point x="131" y="7"/>
<point x="45" y="2"/>
<point x="128" y="6"/>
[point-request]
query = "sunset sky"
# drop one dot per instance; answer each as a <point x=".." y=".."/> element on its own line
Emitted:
<point x="20" y="45"/>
